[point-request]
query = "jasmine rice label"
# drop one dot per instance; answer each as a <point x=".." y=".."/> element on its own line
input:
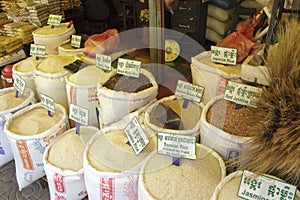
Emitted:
<point x="242" y="94"/>
<point x="259" y="187"/>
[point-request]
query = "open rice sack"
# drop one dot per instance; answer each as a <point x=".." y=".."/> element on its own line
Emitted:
<point x="81" y="90"/>
<point x="111" y="167"/>
<point x="63" y="163"/>
<point x="169" y="115"/>
<point x="10" y="104"/>
<point x="29" y="131"/>
<point x="119" y="95"/>
<point x="229" y="187"/>
<point x="192" y="179"/>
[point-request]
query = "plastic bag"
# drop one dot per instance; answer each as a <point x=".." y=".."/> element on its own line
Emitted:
<point x="240" y="42"/>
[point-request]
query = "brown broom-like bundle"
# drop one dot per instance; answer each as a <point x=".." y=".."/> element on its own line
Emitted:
<point x="277" y="137"/>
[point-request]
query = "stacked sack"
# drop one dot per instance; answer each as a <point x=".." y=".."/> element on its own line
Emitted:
<point x="22" y="30"/>
<point x="68" y="4"/>
<point x="38" y="14"/>
<point x="3" y="20"/>
<point x="15" y="10"/>
<point x="221" y="18"/>
<point x="54" y="6"/>
<point x="10" y="45"/>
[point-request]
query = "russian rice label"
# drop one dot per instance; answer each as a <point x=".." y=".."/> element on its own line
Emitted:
<point x="38" y="50"/>
<point x="259" y="187"/>
<point x="79" y="114"/>
<point x="54" y="20"/>
<point x="103" y="62"/>
<point x="180" y="146"/>
<point x="189" y="91"/>
<point x="76" y="41"/>
<point x="136" y="136"/>
<point x="19" y="83"/>
<point x="242" y="94"/>
<point x="223" y="55"/>
<point x="47" y="102"/>
<point x="128" y="67"/>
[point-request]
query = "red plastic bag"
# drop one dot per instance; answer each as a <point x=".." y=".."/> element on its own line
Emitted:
<point x="252" y="25"/>
<point x="106" y="42"/>
<point x="240" y="42"/>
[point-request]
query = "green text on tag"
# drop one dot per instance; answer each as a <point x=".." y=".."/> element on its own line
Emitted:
<point x="19" y="83"/>
<point x="223" y="55"/>
<point x="37" y="50"/>
<point x="76" y="41"/>
<point x="189" y="91"/>
<point x="54" y="20"/>
<point x="136" y="136"/>
<point x="103" y="62"/>
<point x="253" y="186"/>
<point x="79" y="114"/>
<point x="128" y="67"/>
<point x="47" y="102"/>
<point x="181" y="146"/>
<point x="242" y="94"/>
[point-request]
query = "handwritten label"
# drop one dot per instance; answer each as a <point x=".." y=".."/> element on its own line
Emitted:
<point x="37" y="50"/>
<point x="19" y="84"/>
<point x="253" y="186"/>
<point x="223" y="55"/>
<point x="242" y="94"/>
<point x="54" y="20"/>
<point x="76" y="41"/>
<point x="103" y="62"/>
<point x="79" y="114"/>
<point x="47" y="102"/>
<point x="189" y="91"/>
<point x="181" y="146"/>
<point x="136" y="136"/>
<point x="128" y="67"/>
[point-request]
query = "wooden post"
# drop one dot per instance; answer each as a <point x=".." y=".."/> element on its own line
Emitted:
<point x="156" y="38"/>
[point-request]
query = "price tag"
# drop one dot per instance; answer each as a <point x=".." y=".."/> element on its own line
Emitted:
<point x="76" y="41"/>
<point x="79" y="114"/>
<point x="253" y="186"/>
<point x="223" y="55"/>
<point x="47" y="102"/>
<point x="136" y="136"/>
<point x="103" y="62"/>
<point x="19" y="84"/>
<point x="242" y="94"/>
<point x="38" y="50"/>
<point x="54" y="20"/>
<point x="189" y="91"/>
<point x="180" y="146"/>
<point x="128" y="67"/>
